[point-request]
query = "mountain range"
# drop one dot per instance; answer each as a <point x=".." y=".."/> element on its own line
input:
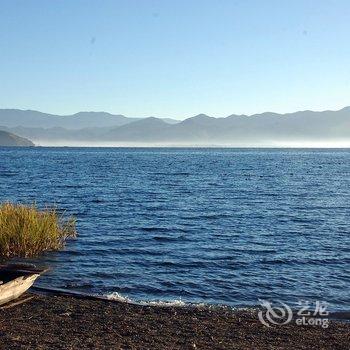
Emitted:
<point x="35" y="119"/>
<point x="101" y="128"/>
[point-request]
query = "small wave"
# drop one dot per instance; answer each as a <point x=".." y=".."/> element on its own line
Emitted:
<point x="154" y="229"/>
<point x="206" y="216"/>
<point x="118" y="297"/>
<point x="172" y="174"/>
<point x="78" y="286"/>
<point x="176" y="303"/>
<point x="169" y="303"/>
<point x="169" y="239"/>
<point x="97" y="200"/>
<point x="74" y="186"/>
<point x="8" y="174"/>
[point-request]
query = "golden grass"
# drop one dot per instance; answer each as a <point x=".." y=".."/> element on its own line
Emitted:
<point x="26" y="231"/>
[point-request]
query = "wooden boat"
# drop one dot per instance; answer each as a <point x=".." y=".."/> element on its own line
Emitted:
<point x="15" y="279"/>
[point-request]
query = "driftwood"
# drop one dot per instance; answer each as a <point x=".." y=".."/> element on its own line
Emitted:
<point x="18" y="301"/>
<point x="16" y="279"/>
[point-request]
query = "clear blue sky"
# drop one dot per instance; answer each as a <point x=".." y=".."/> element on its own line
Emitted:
<point x="174" y="58"/>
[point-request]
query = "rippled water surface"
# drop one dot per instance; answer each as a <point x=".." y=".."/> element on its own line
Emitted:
<point x="222" y="226"/>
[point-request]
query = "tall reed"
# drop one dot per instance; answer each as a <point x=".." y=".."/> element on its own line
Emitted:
<point x="26" y="231"/>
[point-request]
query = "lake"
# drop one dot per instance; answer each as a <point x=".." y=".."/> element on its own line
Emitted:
<point x="218" y="226"/>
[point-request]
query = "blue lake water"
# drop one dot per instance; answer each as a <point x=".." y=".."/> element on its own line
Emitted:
<point x="222" y="226"/>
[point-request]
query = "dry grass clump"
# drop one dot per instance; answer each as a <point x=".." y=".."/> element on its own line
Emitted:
<point x="26" y="231"/>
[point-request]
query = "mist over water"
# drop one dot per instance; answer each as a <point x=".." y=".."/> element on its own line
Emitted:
<point x="224" y="226"/>
<point x="249" y="144"/>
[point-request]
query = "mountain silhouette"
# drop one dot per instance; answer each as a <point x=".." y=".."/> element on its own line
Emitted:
<point x="35" y="119"/>
<point x="235" y="130"/>
<point x="9" y="139"/>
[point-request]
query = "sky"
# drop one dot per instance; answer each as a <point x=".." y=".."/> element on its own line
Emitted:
<point x="174" y="58"/>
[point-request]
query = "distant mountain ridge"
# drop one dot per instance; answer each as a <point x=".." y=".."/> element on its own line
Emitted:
<point x="8" y="139"/>
<point x="264" y="129"/>
<point x="34" y="119"/>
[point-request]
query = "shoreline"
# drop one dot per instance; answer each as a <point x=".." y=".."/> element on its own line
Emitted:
<point x="337" y="315"/>
<point x="70" y="322"/>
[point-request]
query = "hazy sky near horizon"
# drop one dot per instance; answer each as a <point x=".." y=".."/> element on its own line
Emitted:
<point x="174" y="59"/>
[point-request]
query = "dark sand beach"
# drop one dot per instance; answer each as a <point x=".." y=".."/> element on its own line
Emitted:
<point x="66" y="322"/>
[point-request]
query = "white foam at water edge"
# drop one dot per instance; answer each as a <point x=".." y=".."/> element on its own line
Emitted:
<point x="177" y="303"/>
<point x="118" y="297"/>
<point x="174" y="303"/>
